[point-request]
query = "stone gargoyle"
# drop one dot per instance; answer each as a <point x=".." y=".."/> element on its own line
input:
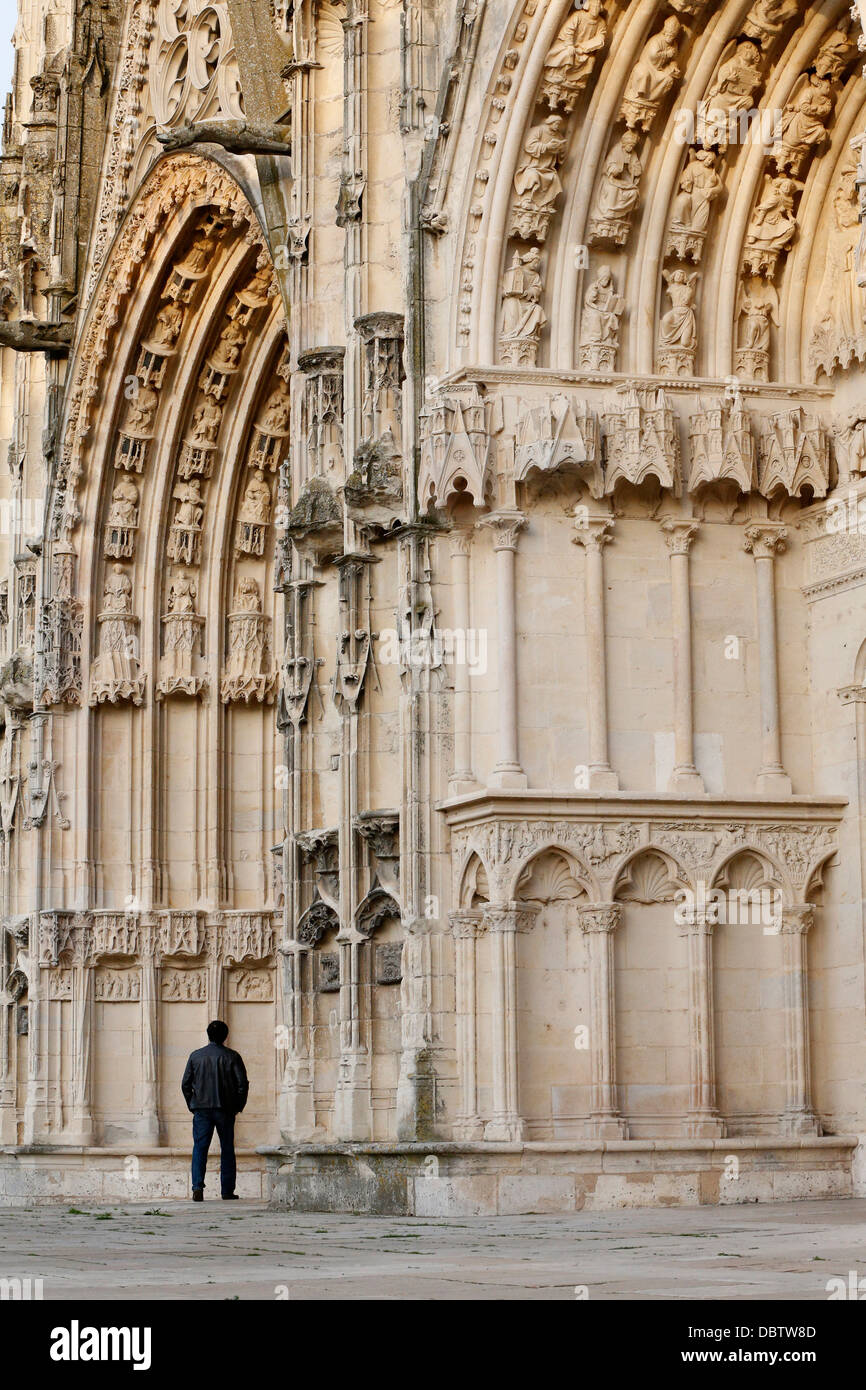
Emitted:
<point x="238" y="137"/>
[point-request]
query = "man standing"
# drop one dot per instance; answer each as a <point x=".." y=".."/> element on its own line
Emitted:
<point x="215" y="1088"/>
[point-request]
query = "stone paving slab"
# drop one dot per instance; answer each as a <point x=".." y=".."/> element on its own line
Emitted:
<point x="216" y="1250"/>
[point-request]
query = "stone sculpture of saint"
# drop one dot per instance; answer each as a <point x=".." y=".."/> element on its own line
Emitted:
<point x="167" y="326"/>
<point x="182" y="594"/>
<point x="537" y="178"/>
<point x="573" y="54"/>
<point x="767" y="18"/>
<point x="277" y="412"/>
<point x="206" y="420"/>
<point x="255" y="508"/>
<point x="758" y="307"/>
<point x="142" y="408"/>
<point x="656" y="71"/>
<point x="619" y="190"/>
<point x="228" y="350"/>
<point x="190" y="506"/>
<point x="602" y="308"/>
<point x="804" y="122"/>
<point x="678" y="327"/>
<point x="736" y="82"/>
<point x="247" y="598"/>
<point x="123" y="511"/>
<point x="117" y="592"/>
<point x="773" y="223"/>
<point x="700" y="185"/>
<point x="522" y="315"/>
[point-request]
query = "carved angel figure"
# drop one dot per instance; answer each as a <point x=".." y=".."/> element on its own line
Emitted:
<point x="678" y="327"/>
<point x="773" y="223"/>
<point x="573" y="53"/>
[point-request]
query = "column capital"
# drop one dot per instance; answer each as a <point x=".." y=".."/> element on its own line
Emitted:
<point x="510" y="917"/>
<point x="698" y="921"/>
<point x="460" y="542"/>
<point x="506" y="526"/>
<point x="679" y="532"/>
<point x="765" y="539"/>
<point x="593" y="530"/>
<point x="599" y="917"/>
<point x="466" y="924"/>
<point x="797" y="920"/>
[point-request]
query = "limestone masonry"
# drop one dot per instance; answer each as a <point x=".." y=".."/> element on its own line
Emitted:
<point x="432" y="577"/>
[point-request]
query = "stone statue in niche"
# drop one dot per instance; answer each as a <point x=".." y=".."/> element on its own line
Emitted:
<point x="122" y="521"/>
<point x="253" y="516"/>
<point x="849" y="440"/>
<point x="732" y="94"/>
<point x="803" y="124"/>
<point x="227" y="353"/>
<point x="767" y="18"/>
<point x="572" y="55"/>
<point x="653" y="75"/>
<point x="700" y="185"/>
<point x="180" y="670"/>
<point x="678" y="328"/>
<point x="247" y="674"/>
<point x="773" y="225"/>
<point x="206" y="421"/>
<point x="167" y="326"/>
<point x="184" y="540"/>
<point x="599" y="324"/>
<point x="838" y="336"/>
<point x="618" y="192"/>
<point x="182" y="594"/>
<point x="115" y="674"/>
<point x="141" y="410"/>
<point x="757" y="308"/>
<point x="537" y="182"/>
<point x="277" y="412"/>
<point x="522" y="315"/>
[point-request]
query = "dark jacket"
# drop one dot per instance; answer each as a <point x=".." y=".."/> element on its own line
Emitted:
<point x="215" y="1078"/>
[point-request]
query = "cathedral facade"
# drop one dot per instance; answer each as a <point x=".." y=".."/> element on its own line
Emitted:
<point x="433" y="598"/>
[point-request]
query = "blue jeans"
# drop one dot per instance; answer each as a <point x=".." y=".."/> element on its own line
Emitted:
<point x="204" y="1122"/>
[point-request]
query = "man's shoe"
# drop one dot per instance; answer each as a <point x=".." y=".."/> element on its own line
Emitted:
<point x="198" y="1194"/>
<point x="230" y="1197"/>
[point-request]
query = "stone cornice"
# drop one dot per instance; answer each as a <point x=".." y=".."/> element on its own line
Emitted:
<point x="487" y="804"/>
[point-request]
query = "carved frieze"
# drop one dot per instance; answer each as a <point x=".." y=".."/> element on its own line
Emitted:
<point x="561" y="433"/>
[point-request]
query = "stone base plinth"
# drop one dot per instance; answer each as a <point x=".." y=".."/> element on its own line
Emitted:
<point x="479" y="1179"/>
<point x="58" y="1173"/>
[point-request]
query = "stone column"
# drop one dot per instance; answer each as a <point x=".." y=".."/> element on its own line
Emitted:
<point x="798" y="1116"/>
<point x="507" y="526"/>
<point x="148" y="1125"/>
<point x="465" y="927"/>
<point x="461" y="779"/>
<point x="599" y="921"/>
<point x="36" y="1098"/>
<point x="679" y="532"/>
<point x="8" y="1126"/>
<point x="81" y="1128"/>
<point x="353" y="1116"/>
<point x="216" y="976"/>
<point x="765" y="540"/>
<point x="593" y="533"/>
<point x="503" y="924"/>
<point x="704" y="1121"/>
<point x="297" y="1107"/>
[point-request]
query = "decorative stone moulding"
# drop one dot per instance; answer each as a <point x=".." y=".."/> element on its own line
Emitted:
<point x="181" y="933"/>
<point x="641" y="441"/>
<point x="794" y="455"/>
<point x="562" y="433"/>
<point x="382" y="402"/>
<point x="458" y="440"/>
<point x="722" y="446"/>
<point x="322" y="405"/>
<point x="152" y="362"/>
<point x="381" y="831"/>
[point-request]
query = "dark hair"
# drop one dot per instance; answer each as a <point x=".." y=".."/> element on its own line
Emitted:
<point x="217" y="1031"/>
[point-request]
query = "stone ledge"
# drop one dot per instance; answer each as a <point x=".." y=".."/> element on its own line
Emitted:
<point x="477" y="1179"/>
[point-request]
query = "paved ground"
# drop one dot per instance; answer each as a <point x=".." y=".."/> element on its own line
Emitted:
<point x="242" y="1251"/>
